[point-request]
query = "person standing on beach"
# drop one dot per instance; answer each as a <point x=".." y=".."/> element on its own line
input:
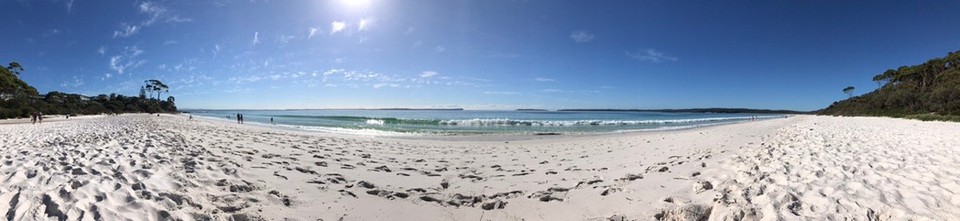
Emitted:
<point x="33" y="117"/>
<point x="241" y="118"/>
<point x="238" y="118"/>
<point x="39" y="117"/>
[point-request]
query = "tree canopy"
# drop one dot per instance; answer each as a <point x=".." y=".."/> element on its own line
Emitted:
<point x="10" y="83"/>
<point x="929" y="88"/>
<point x="18" y="99"/>
<point x="849" y="91"/>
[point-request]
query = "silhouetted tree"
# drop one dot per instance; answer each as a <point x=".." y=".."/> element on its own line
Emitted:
<point x="849" y="91"/>
<point x="150" y="89"/>
<point x="161" y="88"/>
<point x="15" y="68"/>
<point x="156" y="85"/>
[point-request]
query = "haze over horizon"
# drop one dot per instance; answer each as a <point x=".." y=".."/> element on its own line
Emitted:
<point x="474" y="54"/>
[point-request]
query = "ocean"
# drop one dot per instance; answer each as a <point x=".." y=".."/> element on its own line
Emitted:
<point x="470" y="122"/>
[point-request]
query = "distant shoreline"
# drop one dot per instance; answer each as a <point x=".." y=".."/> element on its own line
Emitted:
<point x="698" y="110"/>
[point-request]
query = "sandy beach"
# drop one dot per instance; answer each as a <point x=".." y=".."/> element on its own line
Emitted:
<point x="145" y="167"/>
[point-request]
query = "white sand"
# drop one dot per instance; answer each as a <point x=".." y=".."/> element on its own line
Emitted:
<point x="826" y="168"/>
<point x="150" y="168"/>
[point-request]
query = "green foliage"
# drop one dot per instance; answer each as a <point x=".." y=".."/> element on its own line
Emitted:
<point x="934" y="117"/>
<point x="18" y="99"/>
<point x="15" y="68"/>
<point x="926" y="91"/>
<point x="75" y="104"/>
<point x="156" y="85"/>
<point x="11" y="85"/>
<point x="849" y="91"/>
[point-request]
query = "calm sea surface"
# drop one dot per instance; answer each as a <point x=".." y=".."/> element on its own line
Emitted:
<point x="421" y="122"/>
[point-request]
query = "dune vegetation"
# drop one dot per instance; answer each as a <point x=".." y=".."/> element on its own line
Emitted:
<point x="19" y="99"/>
<point x="928" y="91"/>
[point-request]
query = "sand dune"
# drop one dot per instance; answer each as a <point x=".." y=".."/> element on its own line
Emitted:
<point x="156" y="168"/>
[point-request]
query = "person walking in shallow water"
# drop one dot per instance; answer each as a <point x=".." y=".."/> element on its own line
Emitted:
<point x="238" y="118"/>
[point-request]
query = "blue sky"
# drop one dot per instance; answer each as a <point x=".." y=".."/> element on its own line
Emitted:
<point x="475" y="54"/>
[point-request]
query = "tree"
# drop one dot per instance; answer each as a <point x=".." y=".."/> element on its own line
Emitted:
<point x="932" y="87"/>
<point x="161" y="88"/>
<point x="150" y="89"/>
<point x="849" y="91"/>
<point x="156" y="85"/>
<point x="11" y="84"/>
<point x="19" y="99"/>
<point x="15" y="68"/>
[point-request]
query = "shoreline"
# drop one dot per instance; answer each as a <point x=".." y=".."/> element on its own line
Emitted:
<point x="479" y="136"/>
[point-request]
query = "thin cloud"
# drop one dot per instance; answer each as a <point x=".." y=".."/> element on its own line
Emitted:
<point x="337" y="26"/>
<point x="380" y="85"/>
<point x="126" y="60"/>
<point x="551" y="90"/>
<point x="504" y="55"/>
<point x="313" y="31"/>
<point x="126" y="31"/>
<point x="501" y="93"/>
<point x="256" y="38"/>
<point x="440" y="49"/>
<point x="364" y="24"/>
<point x="342" y="77"/>
<point x="216" y="50"/>
<point x="427" y="74"/>
<point x="581" y="36"/>
<point x="102" y="50"/>
<point x="69" y="6"/>
<point x="77" y="82"/>
<point x="285" y="38"/>
<point x="159" y="13"/>
<point x="650" y="55"/>
<point x="542" y="79"/>
<point x="156" y="13"/>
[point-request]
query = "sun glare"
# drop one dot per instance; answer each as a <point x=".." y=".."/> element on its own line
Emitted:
<point x="356" y="4"/>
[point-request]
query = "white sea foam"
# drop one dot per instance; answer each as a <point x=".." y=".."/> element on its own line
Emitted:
<point x="375" y="122"/>
<point x="570" y="123"/>
<point x="364" y="132"/>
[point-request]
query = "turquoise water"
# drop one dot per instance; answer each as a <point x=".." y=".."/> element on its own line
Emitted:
<point x="476" y="122"/>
